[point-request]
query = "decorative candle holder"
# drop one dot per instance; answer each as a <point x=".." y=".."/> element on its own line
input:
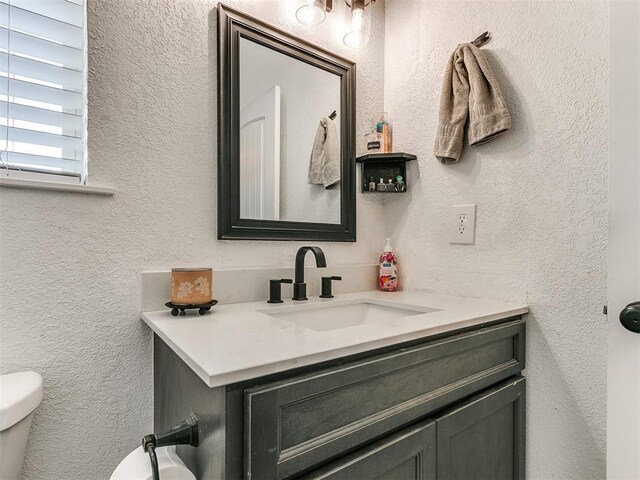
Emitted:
<point x="191" y="286"/>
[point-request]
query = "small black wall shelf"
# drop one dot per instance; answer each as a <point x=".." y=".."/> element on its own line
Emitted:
<point x="386" y="166"/>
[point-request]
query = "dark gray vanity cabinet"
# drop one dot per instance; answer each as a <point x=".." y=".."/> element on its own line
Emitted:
<point x="447" y="407"/>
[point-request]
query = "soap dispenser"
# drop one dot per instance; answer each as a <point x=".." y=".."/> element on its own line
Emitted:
<point x="388" y="273"/>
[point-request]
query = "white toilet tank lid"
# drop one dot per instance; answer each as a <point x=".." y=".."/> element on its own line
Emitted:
<point x="20" y="394"/>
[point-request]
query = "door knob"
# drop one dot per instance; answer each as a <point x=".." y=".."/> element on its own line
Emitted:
<point x="630" y="317"/>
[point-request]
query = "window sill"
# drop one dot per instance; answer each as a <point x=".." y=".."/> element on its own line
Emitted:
<point x="60" y="187"/>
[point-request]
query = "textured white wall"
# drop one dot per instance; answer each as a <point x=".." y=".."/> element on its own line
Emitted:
<point x="69" y="264"/>
<point x="541" y="195"/>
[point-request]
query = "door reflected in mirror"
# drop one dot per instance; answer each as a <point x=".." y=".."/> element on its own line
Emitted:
<point x="290" y="145"/>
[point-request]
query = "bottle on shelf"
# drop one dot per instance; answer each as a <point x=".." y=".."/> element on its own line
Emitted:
<point x="390" y="187"/>
<point x="384" y="133"/>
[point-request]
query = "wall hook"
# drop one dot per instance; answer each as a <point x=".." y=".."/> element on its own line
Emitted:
<point x="482" y="39"/>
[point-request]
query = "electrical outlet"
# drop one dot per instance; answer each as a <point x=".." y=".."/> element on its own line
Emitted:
<point x="463" y="225"/>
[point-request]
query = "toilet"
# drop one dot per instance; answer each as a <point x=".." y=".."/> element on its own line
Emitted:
<point x="20" y="394"/>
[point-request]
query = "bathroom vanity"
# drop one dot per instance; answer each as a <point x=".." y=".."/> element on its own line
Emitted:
<point x="366" y="385"/>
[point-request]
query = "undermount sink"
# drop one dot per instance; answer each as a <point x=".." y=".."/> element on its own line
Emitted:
<point x="339" y="314"/>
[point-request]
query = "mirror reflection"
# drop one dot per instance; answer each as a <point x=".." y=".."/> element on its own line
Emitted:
<point x="290" y="146"/>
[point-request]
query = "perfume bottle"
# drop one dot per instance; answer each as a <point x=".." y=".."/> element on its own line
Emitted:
<point x="382" y="187"/>
<point x="372" y="185"/>
<point x="390" y="187"/>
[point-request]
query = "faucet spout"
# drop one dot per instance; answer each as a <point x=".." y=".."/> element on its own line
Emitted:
<point x="321" y="262"/>
<point x="299" y="287"/>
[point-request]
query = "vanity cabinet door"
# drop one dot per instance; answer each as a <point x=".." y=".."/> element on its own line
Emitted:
<point x="483" y="437"/>
<point x="408" y="455"/>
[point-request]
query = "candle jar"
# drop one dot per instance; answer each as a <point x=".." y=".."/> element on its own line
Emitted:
<point x="372" y="142"/>
<point x="191" y="286"/>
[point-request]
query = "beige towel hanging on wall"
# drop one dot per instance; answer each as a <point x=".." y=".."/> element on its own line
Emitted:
<point x="469" y="90"/>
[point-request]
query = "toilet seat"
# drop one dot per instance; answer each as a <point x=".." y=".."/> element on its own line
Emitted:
<point x="136" y="466"/>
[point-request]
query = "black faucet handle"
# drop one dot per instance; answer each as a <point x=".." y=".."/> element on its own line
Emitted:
<point x="326" y="286"/>
<point x="275" y="289"/>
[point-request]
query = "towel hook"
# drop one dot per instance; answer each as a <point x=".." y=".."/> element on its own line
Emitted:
<point x="482" y="39"/>
<point x="333" y="115"/>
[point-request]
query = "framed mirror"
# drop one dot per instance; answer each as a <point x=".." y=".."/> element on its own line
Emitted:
<point x="286" y="127"/>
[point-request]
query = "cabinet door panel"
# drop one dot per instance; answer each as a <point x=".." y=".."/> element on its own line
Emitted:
<point x="483" y="438"/>
<point x="407" y="455"/>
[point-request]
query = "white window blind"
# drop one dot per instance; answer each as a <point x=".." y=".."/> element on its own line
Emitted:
<point x="42" y="87"/>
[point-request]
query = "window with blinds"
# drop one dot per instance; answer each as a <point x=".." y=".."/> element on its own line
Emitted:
<point x="42" y="87"/>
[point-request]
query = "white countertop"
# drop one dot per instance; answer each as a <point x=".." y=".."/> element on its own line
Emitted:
<point x="236" y="342"/>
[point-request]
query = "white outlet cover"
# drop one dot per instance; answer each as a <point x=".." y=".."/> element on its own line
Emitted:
<point x="462" y="224"/>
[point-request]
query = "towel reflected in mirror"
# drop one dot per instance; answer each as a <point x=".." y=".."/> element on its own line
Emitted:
<point x="324" y="165"/>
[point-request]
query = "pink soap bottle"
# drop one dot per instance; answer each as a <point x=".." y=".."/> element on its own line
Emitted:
<point x="388" y="276"/>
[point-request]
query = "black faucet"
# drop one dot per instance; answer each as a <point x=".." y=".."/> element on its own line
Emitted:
<point x="299" y="287"/>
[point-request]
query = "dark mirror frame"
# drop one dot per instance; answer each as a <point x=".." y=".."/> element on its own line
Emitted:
<point x="232" y="25"/>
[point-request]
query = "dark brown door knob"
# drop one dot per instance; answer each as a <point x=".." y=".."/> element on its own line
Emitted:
<point x="630" y="317"/>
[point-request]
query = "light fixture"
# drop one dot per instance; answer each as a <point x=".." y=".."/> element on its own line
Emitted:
<point x="360" y="31"/>
<point x="312" y="12"/>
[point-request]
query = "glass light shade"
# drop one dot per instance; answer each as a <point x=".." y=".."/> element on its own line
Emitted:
<point x="360" y="28"/>
<point x="311" y="12"/>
